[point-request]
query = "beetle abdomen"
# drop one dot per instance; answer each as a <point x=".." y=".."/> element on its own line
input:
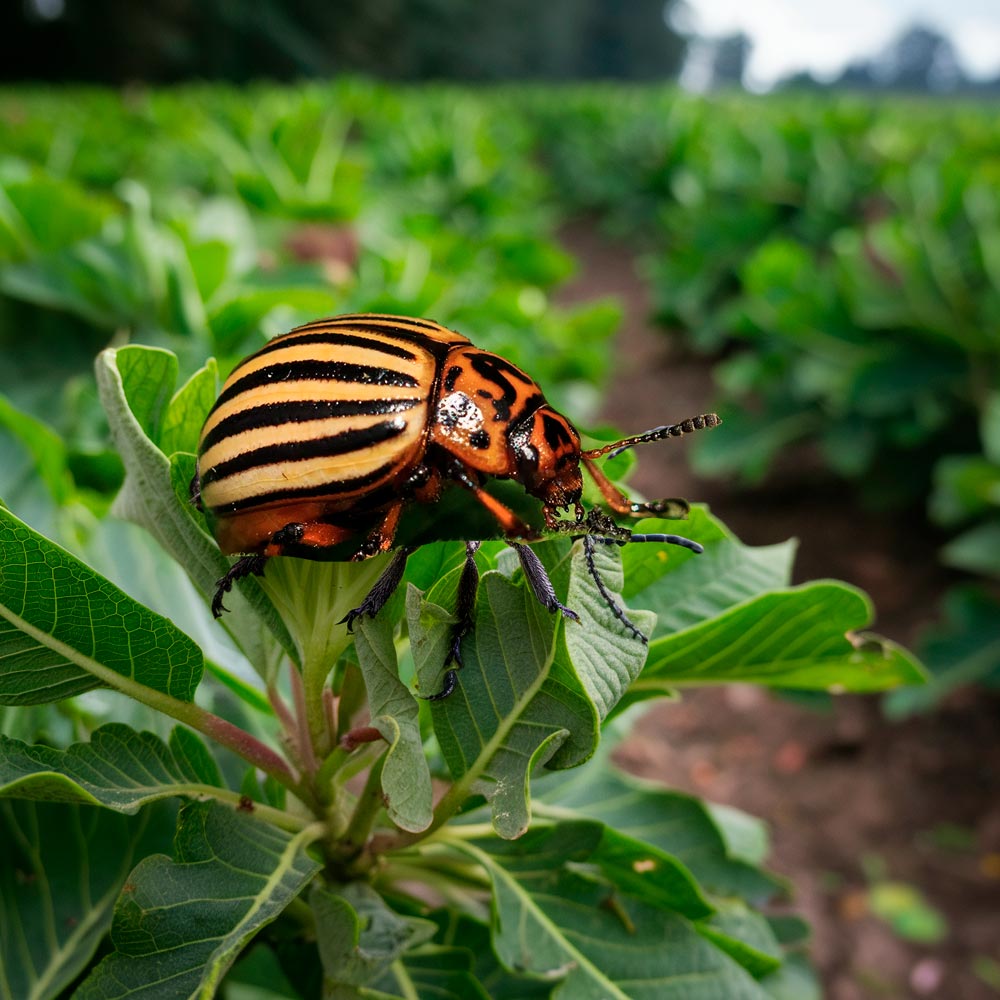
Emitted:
<point x="330" y="411"/>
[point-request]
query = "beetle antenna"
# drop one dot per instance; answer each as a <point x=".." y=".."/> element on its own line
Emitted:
<point x="704" y="420"/>
<point x="686" y="543"/>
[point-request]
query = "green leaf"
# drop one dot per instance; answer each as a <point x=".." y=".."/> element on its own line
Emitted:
<point x="461" y="931"/>
<point x="179" y="924"/>
<point x="148" y="497"/>
<point x="40" y="214"/>
<point x="406" y="777"/>
<point x="430" y="973"/>
<point x="804" y="637"/>
<point x="510" y="711"/>
<point x="64" y="629"/>
<point x="181" y="425"/>
<point x="45" y="447"/>
<point x="119" y="769"/>
<point x="358" y="936"/>
<point x="634" y="866"/>
<point x="746" y="937"/>
<point x="63" y="868"/>
<point x="552" y="921"/>
<point x="700" y="587"/>
<point x="976" y="550"/>
<point x="678" y="825"/>
<point x="606" y="654"/>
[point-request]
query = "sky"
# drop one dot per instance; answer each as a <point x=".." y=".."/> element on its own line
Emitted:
<point x="822" y="36"/>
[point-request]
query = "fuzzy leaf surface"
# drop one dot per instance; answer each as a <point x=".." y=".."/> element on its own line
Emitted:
<point x="65" y="629"/>
<point x="136" y="387"/>
<point x="119" y="768"/>
<point x="180" y="923"/>
<point x="64" y="866"/>
<point x="510" y="711"/>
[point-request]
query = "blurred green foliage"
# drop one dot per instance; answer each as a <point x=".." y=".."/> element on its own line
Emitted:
<point x="838" y="257"/>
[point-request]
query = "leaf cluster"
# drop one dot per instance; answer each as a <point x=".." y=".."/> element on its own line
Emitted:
<point x="531" y="880"/>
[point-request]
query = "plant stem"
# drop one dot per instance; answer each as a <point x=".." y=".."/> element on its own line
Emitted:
<point x="365" y="811"/>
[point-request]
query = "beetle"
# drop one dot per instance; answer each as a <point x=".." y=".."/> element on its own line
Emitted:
<point x="325" y="434"/>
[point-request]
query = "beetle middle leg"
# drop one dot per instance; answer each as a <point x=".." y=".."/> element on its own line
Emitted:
<point x="244" y="566"/>
<point x="465" y="611"/>
<point x="670" y="507"/>
<point x="384" y="587"/>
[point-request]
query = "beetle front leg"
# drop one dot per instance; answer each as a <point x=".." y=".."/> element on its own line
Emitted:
<point x="538" y="580"/>
<point x="621" y="504"/>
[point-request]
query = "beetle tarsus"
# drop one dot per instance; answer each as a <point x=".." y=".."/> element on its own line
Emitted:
<point x="385" y="586"/>
<point x="244" y="566"/>
<point x="448" y="686"/>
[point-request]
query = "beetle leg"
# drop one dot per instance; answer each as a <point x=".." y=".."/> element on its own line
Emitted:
<point x="512" y="525"/>
<point x="465" y="610"/>
<point x="381" y="536"/>
<point x="589" y="544"/>
<point x="621" y="504"/>
<point x="538" y="580"/>
<point x="243" y="566"/>
<point x="385" y="586"/>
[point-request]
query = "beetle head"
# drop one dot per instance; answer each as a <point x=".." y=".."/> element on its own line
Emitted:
<point x="546" y="449"/>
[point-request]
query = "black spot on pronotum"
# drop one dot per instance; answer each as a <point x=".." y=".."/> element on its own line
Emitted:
<point x="452" y="377"/>
<point x="556" y="435"/>
<point x="479" y="439"/>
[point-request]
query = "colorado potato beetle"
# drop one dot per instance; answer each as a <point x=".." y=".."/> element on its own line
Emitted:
<point x="324" y="435"/>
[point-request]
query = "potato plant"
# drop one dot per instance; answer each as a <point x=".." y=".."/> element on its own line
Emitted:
<point x="283" y="812"/>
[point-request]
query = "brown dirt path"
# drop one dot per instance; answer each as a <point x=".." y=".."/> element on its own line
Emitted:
<point x="845" y="792"/>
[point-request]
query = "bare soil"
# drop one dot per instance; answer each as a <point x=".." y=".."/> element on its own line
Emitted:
<point x="848" y="795"/>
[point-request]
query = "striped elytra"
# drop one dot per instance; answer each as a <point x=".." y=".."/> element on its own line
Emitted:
<point x="333" y="410"/>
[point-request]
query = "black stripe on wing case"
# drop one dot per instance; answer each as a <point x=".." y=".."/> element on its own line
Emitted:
<point x="323" y="371"/>
<point x="387" y="327"/>
<point x="296" y="493"/>
<point x="387" y="319"/>
<point x="334" y="339"/>
<point x="296" y="451"/>
<point x="275" y="414"/>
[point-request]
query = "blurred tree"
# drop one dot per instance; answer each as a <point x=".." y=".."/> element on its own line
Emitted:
<point x="857" y="75"/>
<point x="922" y="58"/>
<point x="116" y="41"/>
<point x="729" y="60"/>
